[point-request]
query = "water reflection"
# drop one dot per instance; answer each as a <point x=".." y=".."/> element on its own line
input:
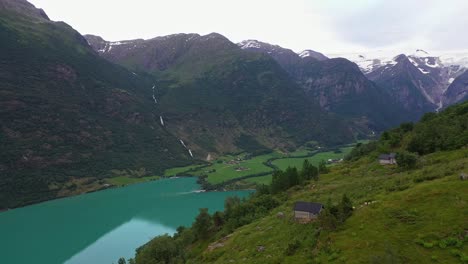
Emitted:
<point x="75" y="229"/>
<point x="122" y="240"/>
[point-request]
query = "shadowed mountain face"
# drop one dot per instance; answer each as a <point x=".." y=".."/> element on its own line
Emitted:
<point x="337" y="85"/>
<point x="67" y="113"/>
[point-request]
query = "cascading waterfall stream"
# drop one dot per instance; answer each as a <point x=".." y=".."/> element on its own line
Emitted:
<point x="161" y="120"/>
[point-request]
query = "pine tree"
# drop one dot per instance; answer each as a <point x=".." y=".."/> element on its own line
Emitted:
<point x="203" y="224"/>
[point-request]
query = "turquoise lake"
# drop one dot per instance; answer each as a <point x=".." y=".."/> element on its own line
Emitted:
<point x="101" y="227"/>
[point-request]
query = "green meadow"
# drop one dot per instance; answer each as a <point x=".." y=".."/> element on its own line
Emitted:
<point x="230" y="167"/>
<point x="126" y="180"/>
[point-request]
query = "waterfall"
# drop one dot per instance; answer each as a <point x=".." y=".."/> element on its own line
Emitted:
<point x="161" y="119"/>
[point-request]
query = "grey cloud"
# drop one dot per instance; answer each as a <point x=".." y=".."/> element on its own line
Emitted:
<point x="388" y="23"/>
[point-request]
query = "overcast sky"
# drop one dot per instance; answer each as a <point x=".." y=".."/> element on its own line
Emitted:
<point x="328" y="26"/>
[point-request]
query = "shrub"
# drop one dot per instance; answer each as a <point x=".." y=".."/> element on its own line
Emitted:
<point x="292" y="247"/>
<point x="428" y="245"/>
<point x="442" y="244"/>
<point x="406" y="160"/>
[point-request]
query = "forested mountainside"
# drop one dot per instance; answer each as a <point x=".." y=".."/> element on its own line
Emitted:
<point x="412" y="212"/>
<point x="215" y="94"/>
<point x="336" y="85"/>
<point x="68" y="115"/>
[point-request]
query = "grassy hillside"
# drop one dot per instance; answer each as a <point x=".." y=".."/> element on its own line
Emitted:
<point x="413" y="212"/>
<point x="404" y="212"/>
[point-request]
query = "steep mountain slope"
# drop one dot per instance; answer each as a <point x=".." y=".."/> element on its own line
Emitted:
<point x="409" y="84"/>
<point x="337" y="85"/>
<point x="341" y="88"/>
<point x="216" y="97"/>
<point x="68" y="114"/>
<point x="457" y="91"/>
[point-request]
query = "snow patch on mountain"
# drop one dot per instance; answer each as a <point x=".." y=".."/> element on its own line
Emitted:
<point x="313" y="54"/>
<point x="250" y="43"/>
<point x="368" y="61"/>
<point x="371" y="60"/>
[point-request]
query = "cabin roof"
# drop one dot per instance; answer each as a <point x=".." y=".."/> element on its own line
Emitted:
<point x="308" y="207"/>
<point x="387" y="156"/>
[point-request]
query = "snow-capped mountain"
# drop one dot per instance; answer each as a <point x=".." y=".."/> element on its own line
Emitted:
<point x="283" y="55"/>
<point x="436" y="72"/>
<point x="371" y="60"/>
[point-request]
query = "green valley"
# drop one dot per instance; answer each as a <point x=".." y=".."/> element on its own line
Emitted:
<point x="413" y="212"/>
<point x="256" y="169"/>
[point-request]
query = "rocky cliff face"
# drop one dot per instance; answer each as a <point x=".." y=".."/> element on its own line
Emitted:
<point x="336" y="84"/>
<point x="457" y="91"/>
<point x="411" y="86"/>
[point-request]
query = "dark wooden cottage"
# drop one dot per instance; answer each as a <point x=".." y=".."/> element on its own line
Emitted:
<point x="306" y="210"/>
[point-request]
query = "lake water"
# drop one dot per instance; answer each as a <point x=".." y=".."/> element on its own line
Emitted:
<point x="100" y="227"/>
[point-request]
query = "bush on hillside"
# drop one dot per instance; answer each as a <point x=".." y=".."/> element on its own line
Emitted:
<point x="406" y="160"/>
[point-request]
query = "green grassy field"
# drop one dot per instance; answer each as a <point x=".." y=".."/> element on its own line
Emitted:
<point x="125" y="180"/>
<point x="315" y="159"/>
<point x="416" y="216"/>
<point x="260" y="180"/>
<point x="219" y="171"/>
<point x="178" y="171"/>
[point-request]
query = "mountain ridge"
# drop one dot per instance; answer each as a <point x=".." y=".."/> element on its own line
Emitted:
<point x="440" y="69"/>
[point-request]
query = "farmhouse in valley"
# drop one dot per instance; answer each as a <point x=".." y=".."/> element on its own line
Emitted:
<point x="386" y="159"/>
<point x="306" y="210"/>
